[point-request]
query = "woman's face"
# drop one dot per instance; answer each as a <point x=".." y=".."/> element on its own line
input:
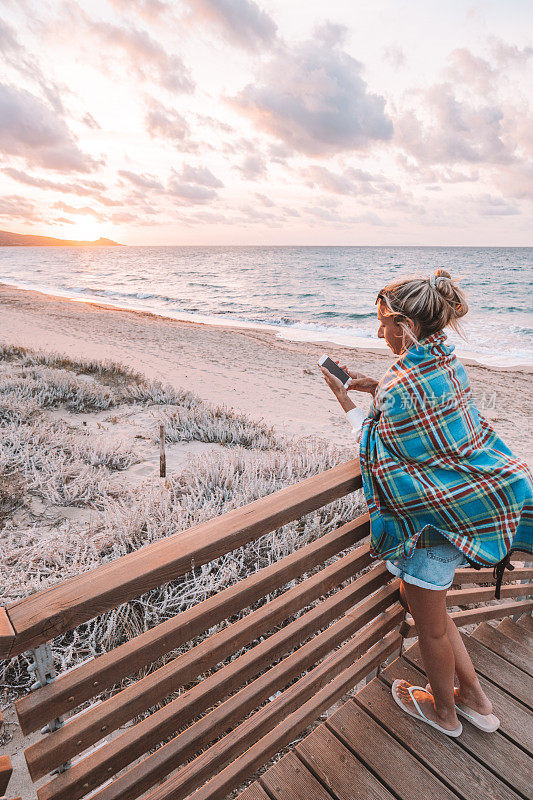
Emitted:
<point x="390" y="331"/>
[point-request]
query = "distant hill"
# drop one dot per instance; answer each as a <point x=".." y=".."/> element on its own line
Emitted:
<point x="25" y="240"/>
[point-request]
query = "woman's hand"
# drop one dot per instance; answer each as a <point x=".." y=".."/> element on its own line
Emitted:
<point x="359" y="382"/>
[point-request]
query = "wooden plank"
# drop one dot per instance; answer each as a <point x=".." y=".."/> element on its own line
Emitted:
<point x="255" y="792"/>
<point x="237" y="769"/>
<point x="6" y="770"/>
<point x="506" y="648"/>
<point x="494" y="752"/>
<point x="46" y="614"/>
<point x="89" y="679"/>
<point x="289" y="779"/>
<point x="463" y="597"/>
<point x="472" y="615"/>
<point x="470" y="575"/>
<point x="515" y="720"/>
<point x="75" y="736"/>
<point x="400" y="771"/>
<point x="505" y="675"/>
<point x="341" y="771"/>
<point x="526" y="621"/>
<point x="516" y="633"/>
<point x="7" y="634"/>
<point x="93" y="770"/>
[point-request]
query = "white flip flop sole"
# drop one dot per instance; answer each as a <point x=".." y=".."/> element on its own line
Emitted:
<point x="485" y="722"/>
<point x="457" y="732"/>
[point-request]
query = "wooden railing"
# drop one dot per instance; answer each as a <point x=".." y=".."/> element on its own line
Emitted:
<point x="226" y="725"/>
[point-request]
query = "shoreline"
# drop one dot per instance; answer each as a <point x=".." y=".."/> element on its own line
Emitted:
<point x="247" y="369"/>
<point x="290" y="334"/>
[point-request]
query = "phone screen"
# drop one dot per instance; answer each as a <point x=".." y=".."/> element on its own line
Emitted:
<point x="339" y="373"/>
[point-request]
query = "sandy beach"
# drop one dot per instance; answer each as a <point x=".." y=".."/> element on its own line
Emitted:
<point x="249" y="370"/>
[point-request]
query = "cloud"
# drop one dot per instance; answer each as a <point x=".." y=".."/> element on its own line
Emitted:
<point x="166" y="123"/>
<point x="312" y="97"/>
<point x="142" y="181"/>
<point x="458" y="131"/>
<point x="253" y="167"/>
<point x="81" y="188"/>
<point x="16" y="207"/>
<point x="190" y="192"/>
<point x="351" y="181"/>
<point x="241" y="22"/>
<point x="90" y="121"/>
<point x="79" y="210"/>
<point x="465" y="67"/>
<point x="29" y="128"/>
<point x="149" y="9"/>
<point x="148" y="57"/>
<point x="200" y="176"/>
<point x="496" y="206"/>
<point x="18" y="58"/>
<point x="395" y="55"/>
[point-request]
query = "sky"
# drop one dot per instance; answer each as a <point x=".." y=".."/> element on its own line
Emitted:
<point x="236" y="122"/>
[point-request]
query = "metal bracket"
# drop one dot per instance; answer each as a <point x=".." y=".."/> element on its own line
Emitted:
<point x="42" y="667"/>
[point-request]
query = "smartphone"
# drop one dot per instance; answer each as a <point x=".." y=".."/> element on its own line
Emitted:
<point x="339" y="373"/>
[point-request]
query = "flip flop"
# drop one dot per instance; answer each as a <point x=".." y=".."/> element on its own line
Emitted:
<point x="457" y="732"/>
<point x="485" y="722"/>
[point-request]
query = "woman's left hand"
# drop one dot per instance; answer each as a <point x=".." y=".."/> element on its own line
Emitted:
<point x="334" y="384"/>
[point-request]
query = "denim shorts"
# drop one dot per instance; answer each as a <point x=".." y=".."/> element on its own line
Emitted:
<point x="429" y="567"/>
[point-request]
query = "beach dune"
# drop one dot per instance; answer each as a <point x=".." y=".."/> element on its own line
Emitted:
<point x="248" y="369"/>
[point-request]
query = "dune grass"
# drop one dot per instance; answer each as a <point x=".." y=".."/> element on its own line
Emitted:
<point x="62" y="511"/>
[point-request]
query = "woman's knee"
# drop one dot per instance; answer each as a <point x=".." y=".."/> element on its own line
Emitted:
<point x="403" y="597"/>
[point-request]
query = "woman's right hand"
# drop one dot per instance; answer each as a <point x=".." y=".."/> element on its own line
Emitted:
<point x="359" y="382"/>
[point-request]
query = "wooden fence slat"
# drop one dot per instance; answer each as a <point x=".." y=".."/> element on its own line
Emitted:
<point x="463" y="597"/>
<point x="6" y="770"/>
<point x="42" y="616"/>
<point x="87" y="728"/>
<point x="89" y="679"/>
<point x="274" y="740"/>
<point x="92" y="771"/>
<point x="255" y="792"/>
<point x="471" y="575"/>
<point x="526" y="621"/>
<point x="7" y="634"/>
<point x="470" y="616"/>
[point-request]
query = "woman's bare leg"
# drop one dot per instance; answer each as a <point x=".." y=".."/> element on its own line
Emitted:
<point x="469" y="690"/>
<point x="428" y="608"/>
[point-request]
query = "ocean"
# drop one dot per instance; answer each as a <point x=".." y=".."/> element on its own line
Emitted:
<point x="299" y="293"/>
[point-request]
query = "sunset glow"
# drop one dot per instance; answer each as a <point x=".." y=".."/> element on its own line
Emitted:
<point x="243" y="122"/>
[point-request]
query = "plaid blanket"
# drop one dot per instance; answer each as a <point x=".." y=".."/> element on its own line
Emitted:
<point x="431" y="463"/>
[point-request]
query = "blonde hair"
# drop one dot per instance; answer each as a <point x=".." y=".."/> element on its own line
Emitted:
<point x="431" y="303"/>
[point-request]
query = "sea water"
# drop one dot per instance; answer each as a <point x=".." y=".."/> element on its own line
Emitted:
<point x="299" y="293"/>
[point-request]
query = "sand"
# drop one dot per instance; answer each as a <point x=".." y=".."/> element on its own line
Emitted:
<point x="249" y="370"/>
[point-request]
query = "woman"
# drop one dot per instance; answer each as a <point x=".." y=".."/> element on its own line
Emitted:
<point x="442" y="488"/>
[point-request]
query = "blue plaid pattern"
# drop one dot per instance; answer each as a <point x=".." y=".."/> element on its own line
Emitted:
<point x="430" y="460"/>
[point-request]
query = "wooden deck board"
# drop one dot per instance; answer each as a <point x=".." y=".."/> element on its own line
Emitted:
<point x="338" y="769"/>
<point x="400" y="771"/>
<point x="514" y="632"/>
<point x="526" y="621"/>
<point x="505" y="675"/>
<point x="289" y="779"/>
<point x="369" y="749"/>
<point x="515" y="720"/>
<point x="515" y="653"/>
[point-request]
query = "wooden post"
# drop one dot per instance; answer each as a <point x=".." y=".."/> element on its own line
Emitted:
<point x="162" y="456"/>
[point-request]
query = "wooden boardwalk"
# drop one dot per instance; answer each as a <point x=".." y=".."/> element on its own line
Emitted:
<point x="370" y="750"/>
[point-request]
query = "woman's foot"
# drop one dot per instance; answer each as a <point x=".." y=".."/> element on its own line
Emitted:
<point x="448" y="721"/>
<point x="473" y="698"/>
